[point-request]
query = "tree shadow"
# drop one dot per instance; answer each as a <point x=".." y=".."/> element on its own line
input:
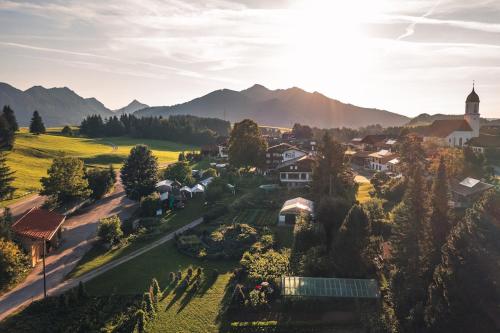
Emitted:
<point x="171" y="286"/>
<point x="179" y="290"/>
<point x="188" y="297"/>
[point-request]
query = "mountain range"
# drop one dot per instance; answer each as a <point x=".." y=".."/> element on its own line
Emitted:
<point x="57" y="106"/>
<point x="281" y="107"/>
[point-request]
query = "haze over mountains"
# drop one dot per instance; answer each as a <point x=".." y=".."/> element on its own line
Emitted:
<point x="282" y="107"/>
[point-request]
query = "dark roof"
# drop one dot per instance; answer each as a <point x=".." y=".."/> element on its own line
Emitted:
<point x="473" y="97"/>
<point x="38" y="223"/>
<point x="374" y="138"/>
<point x="469" y="186"/>
<point x="484" y="140"/>
<point x="444" y="127"/>
<point x="298" y="160"/>
<point x="281" y="147"/>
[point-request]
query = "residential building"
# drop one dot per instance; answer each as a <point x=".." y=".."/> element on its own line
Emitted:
<point x="466" y="192"/>
<point x="278" y="154"/>
<point x="373" y="142"/>
<point x="379" y="161"/>
<point x="36" y="228"/>
<point x="296" y="172"/>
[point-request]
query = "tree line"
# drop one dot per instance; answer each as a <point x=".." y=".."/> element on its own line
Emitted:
<point x="180" y="128"/>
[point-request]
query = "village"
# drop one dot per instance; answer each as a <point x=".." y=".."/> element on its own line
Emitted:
<point x="291" y="227"/>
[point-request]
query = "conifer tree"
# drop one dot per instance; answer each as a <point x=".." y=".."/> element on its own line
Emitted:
<point x="440" y="216"/>
<point x="156" y="292"/>
<point x="7" y="136"/>
<point x="148" y="305"/>
<point x="5" y="222"/>
<point x="10" y="117"/>
<point x="36" y="125"/>
<point x="410" y="253"/>
<point x="6" y="178"/>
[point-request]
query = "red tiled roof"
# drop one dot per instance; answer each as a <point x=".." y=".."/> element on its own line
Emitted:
<point x="444" y="127"/>
<point x="38" y="223"/>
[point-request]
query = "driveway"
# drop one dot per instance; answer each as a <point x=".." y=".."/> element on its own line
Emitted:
<point x="22" y="206"/>
<point x="79" y="231"/>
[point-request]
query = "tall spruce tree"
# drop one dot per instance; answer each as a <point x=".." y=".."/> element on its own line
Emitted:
<point x="139" y="173"/>
<point x="440" y="220"/>
<point x="464" y="293"/>
<point x="6" y="134"/>
<point x="36" y="125"/>
<point x="6" y="178"/>
<point x="410" y="253"/>
<point x="10" y="117"/>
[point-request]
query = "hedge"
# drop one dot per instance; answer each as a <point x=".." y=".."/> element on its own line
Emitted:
<point x="285" y="327"/>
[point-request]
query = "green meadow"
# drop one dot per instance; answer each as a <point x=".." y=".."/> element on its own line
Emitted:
<point x="33" y="154"/>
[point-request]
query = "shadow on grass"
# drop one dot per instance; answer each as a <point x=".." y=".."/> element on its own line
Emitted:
<point x="104" y="159"/>
<point x="171" y="286"/>
<point x="179" y="290"/>
<point x="222" y="316"/>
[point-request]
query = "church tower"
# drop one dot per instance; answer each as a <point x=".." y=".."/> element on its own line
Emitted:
<point x="472" y="112"/>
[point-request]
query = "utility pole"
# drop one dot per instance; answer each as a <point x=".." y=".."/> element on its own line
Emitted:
<point x="44" y="277"/>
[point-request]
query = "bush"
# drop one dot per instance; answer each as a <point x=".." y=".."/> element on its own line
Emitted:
<point x="14" y="264"/>
<point x="216" y="190"/>
<point x="268" y="266"/>
<point x="101" y="181"/>
<point x="210" y="172"/>
<point x="150" y="204"/>
<point x="110" y="230"/>
<point x="257" y="299"/>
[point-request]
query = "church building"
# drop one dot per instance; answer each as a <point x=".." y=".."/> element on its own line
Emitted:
<point x="456" y="132"/>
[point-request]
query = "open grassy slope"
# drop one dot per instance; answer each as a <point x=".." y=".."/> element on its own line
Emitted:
<point x="32" y="155"/>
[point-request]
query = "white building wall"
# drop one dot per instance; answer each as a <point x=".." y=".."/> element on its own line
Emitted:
<point x="458" y="138"/>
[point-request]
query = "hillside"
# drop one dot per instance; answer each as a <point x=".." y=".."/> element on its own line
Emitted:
<point x="33" y="154"/>
<point x="282" y="107"/>
<point x="57" y="106"/>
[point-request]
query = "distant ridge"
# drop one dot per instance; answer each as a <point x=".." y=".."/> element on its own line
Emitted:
<point x="282" y="107"/>
<point x="135" y="105"/>
<point x="57" y="106"/>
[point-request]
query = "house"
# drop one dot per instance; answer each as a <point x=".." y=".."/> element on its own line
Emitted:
<point x="296" y="172"/>
<point x="293" y="208"/>
<point x="361" y="158"/>
<point x="379" y="161"/>
<point x="355" y="144"/>
<point x="457" y="132"/>
<point x="394" y="165"/>
<point x="36" y="227"/>
<point x="373" y="142"/>
<point x="280" y="153"/>
<point x="485" y="142"/>
<point x="464" y="193"/>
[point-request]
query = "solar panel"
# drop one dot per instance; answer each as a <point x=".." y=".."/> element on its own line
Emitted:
<point x="329" y="287"/>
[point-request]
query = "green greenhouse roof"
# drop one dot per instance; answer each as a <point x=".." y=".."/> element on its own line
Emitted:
<point x="296" y="286"/>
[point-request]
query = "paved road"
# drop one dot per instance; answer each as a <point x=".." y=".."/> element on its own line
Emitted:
<point x="22" y="206"/>
<point x="68" y="284"/>
<point x="79" y="231"/>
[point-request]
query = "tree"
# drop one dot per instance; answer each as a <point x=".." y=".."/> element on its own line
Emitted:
<point x="351" y="241"/>
<point x="7" y="136"/>
<point x="267" y="266"/>
<point x="139" y="173"/>
<point x="6" y="178"/>
<point x="210" y="172"/>
<point x="247" y="147"/>
<point x="67" y="131"/>
<point x="466" y="280"/>
<point x="5" y="223"/>
<point x="36" y="125"/>
<point x="180" y="171"/>
<point x="440" y="215"/>
<point x="410" y="253"/>
<point x="110" y="230"/>
<point x="101" y="181"/>
<point x="150" y="204"/>
<point x="412" y="154"/>
<point x="66" y="180"/>
<point x="302" y="131"/>
<point x="332" y="175"/>
<point x="13" y="263"/>
<point x="331" y="213"/>
<point x="10" y="117"/>
<point x="216" y="190"/>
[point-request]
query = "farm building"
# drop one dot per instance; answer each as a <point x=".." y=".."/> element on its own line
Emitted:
<point x="293" y="208"/>
<point x="35" y="227"/>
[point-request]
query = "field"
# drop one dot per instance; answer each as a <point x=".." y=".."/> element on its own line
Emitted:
<point x="32" y="155"/>
<point x="364" y="189"/>
<point x="179" y="311"/>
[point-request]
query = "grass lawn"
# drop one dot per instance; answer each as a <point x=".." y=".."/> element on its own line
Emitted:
<point x="33" y="154"/>
<point x="99" y="256"/>
<point x="180" y="312"/>
<point x="364" y="189"/>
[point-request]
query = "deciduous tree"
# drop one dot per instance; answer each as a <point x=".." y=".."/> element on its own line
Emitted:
<point x="247" y="147"/>
<point x="65" y="180"/>
<point x="139" y="173"/>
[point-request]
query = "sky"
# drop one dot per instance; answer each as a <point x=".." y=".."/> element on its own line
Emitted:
<point x="409" y="57"/>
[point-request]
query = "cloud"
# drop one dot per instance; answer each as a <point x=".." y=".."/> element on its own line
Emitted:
<point x="410" y="30"/>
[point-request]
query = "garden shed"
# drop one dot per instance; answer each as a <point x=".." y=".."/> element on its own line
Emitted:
<point x="293" y="208"/>
<point x="314" y="287"/>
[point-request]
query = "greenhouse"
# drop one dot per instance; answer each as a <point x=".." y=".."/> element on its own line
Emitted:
<point x="312" y="287"/>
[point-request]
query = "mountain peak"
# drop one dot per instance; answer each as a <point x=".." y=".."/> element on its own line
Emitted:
<point x="132" y="107"/>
